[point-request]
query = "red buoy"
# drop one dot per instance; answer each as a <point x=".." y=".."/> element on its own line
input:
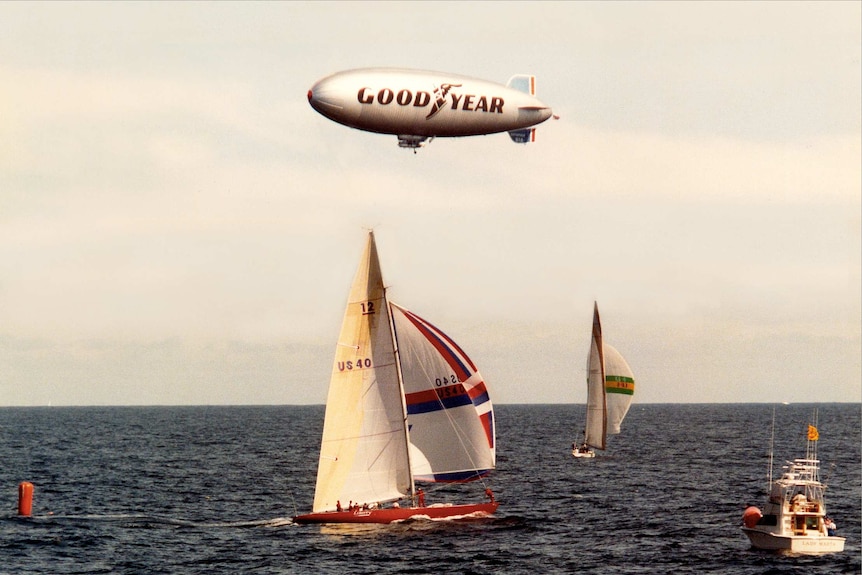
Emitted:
<point x="751" y="516"/>
<point x="25" y="498"/>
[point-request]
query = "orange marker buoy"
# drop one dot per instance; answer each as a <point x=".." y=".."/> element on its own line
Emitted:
<point x="25" y="498"/>
<point x="751" y="516"/>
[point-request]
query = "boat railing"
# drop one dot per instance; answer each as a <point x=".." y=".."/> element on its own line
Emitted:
<point x="803" y="465"/>
<point x="809" y="507"/>
<point x="807" y="499"/>
<point x="802" y="470"/>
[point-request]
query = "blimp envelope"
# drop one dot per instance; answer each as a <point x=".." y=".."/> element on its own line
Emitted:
<point x="417" y="105"/>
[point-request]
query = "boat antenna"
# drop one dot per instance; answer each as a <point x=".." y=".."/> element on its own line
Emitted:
<point x="771" y="448"/>
<point x="812" y="443"/>
<point x="828" y="473"/>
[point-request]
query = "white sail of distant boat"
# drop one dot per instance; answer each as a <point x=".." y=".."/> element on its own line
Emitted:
<point x="619" y="388"/>
<point x="610" y="390"/>
<point x="405" y="404"/>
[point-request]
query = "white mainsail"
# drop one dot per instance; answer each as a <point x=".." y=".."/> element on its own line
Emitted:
<point x="595" y="432"/>
<point x="449" y="411"/>
<point x="363" y="453"/>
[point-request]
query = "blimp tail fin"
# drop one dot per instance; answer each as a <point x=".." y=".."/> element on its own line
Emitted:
<point x="523" y="83"/>
<point x="524" y="136"/>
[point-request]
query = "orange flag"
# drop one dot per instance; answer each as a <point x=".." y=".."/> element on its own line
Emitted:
<point x="812" y="433"/>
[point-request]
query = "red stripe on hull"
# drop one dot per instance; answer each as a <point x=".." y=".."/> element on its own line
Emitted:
<point x="390" y="515"/>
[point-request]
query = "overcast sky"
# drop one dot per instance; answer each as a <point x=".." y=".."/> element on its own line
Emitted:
<point x="178" y="226"/>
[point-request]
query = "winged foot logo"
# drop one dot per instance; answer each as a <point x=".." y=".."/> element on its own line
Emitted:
<point x="442" y="96"/>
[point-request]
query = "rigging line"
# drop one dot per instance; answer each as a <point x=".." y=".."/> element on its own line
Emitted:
<point x="459" y="433"/>
<point x="429" y="377"/>
<point x="380" y="433"/>
<point x="293" y="501"/>
<point x="828" y="473"/>
<point x="816" y="423"/>
<point x="385" y="447"/>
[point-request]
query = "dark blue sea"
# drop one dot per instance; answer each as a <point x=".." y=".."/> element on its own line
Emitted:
<point x="211" y="490"/>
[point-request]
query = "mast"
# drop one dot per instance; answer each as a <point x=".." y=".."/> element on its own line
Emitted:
<point x="811" y="449"/>
<point x="597" y="408"/>
<point x="401" y="390"/>
<point x="597" y="333"/>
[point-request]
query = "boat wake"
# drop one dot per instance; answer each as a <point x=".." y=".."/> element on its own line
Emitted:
<point x="478" y="515"/>
<point x="415" y="524"/>
<point x="144" y="520"/>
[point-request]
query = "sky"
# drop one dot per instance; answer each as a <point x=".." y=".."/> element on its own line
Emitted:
<point x="178" y="226"/>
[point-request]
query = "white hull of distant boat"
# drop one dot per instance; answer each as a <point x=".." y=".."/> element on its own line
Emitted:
<point x="794" y="518"/>
<point x="583" y="454"/>
<point x="802" y="544"/>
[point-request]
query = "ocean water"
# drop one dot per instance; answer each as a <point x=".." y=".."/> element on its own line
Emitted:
<point x="212" y="489"/>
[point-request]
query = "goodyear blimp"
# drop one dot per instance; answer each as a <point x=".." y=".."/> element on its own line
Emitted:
<point x="418" y="105"/>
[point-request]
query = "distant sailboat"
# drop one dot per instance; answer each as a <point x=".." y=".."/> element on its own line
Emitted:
<point x="610" y="390"/>
<point x="405" y="403"/>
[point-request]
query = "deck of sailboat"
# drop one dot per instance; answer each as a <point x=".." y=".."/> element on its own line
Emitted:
<point x="395" y="514"/>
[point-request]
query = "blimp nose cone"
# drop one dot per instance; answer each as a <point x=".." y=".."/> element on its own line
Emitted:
<point x="326" y="101"/>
